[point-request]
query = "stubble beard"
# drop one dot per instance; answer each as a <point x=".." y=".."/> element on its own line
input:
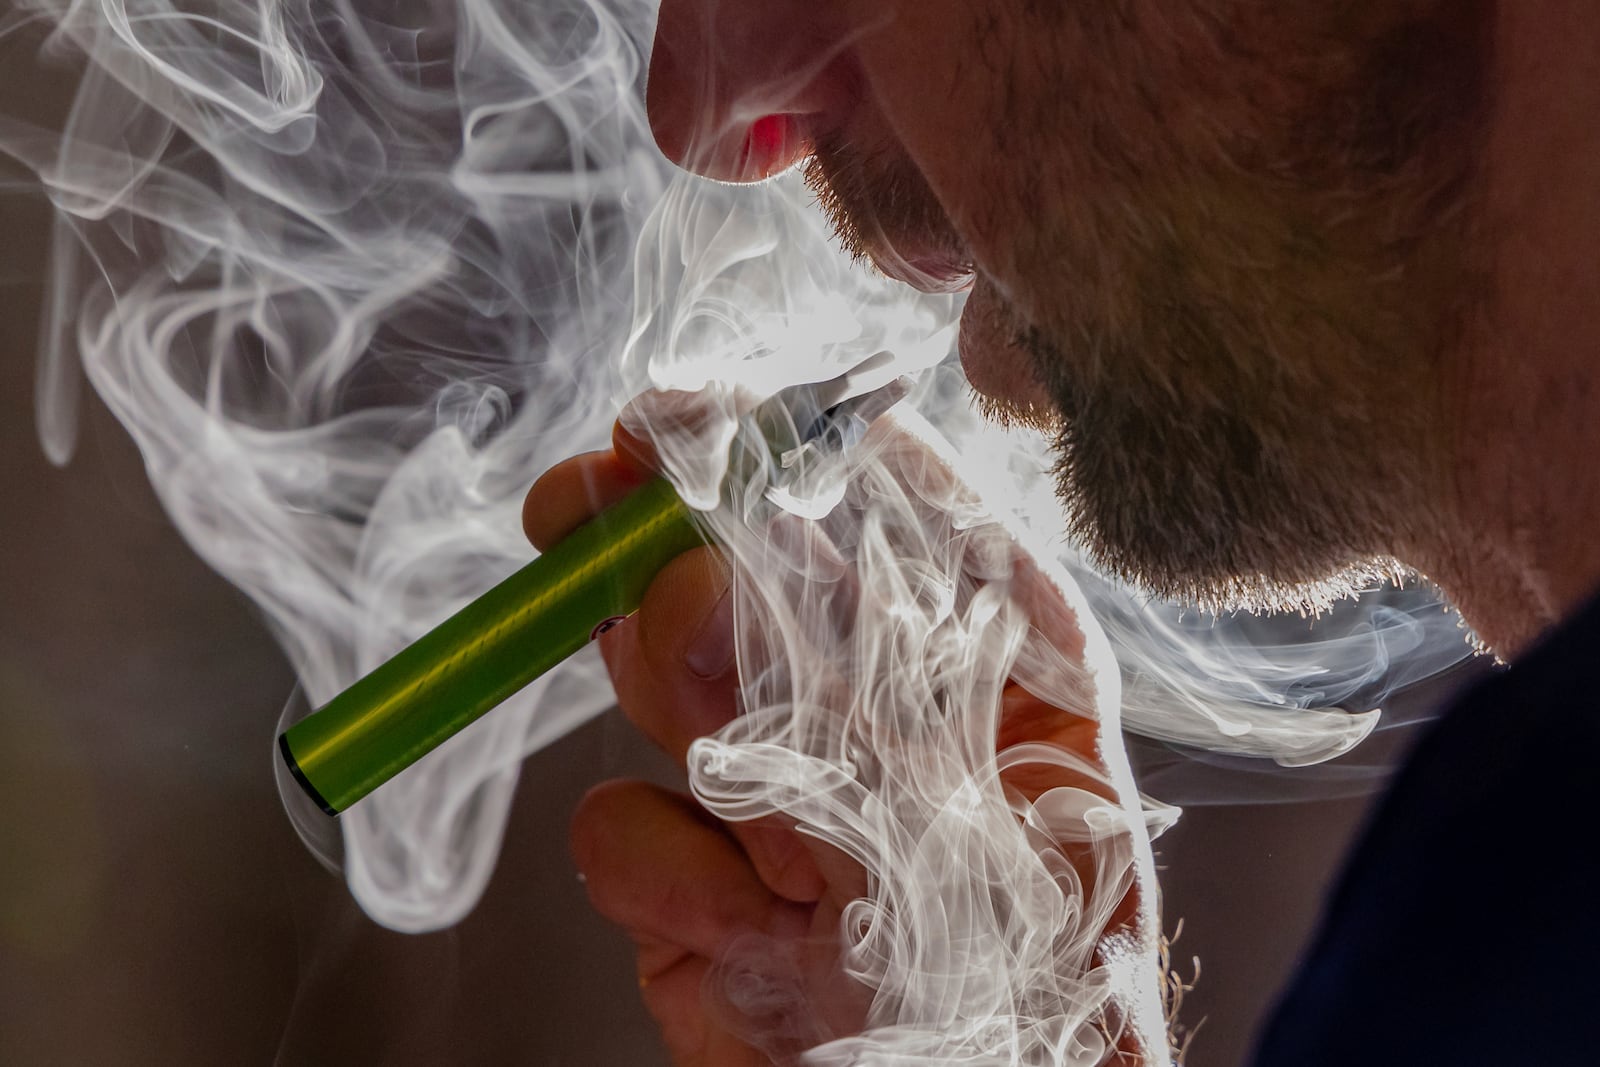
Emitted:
<point x="1243" y="354"/>
<point x="1251" y="415"/>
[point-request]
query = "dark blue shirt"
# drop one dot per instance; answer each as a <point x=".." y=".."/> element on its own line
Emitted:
<point x="1466" y="927"/>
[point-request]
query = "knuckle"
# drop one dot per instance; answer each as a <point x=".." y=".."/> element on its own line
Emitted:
<point x="599" y="823"/>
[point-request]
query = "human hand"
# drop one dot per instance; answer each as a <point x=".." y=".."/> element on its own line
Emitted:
<point x="693" y="891"/>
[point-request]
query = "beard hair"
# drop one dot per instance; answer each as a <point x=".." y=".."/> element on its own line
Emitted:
<point x="1242" y="347"/>
<point x="1247" y="380"/>
<point x="1216" y="505"/>
<point x="871" y="195"/>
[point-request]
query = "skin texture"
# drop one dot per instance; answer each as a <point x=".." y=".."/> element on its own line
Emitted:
<point x="1305" y="290"/>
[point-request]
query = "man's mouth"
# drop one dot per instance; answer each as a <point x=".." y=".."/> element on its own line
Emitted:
<point x="887" y="213"/>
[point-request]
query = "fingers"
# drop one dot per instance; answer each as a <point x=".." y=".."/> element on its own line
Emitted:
<point x="673" y="666"/>
<point x="785" y="861"/>
<point x="633" y="449"/>
<point x="577" y="489"/>
<point x="661" y="868"/>
<point x="1026" y="719"/>
<point x="675" y="999"/>
<point x="573" y="492"/>
<point x="657" y="865"/>
<point x="673" y="662"/>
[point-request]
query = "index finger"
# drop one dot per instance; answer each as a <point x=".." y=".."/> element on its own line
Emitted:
<point x="580" y="487"/>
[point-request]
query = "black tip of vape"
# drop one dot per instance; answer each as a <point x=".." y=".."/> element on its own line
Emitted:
<point x="299" y="776"/>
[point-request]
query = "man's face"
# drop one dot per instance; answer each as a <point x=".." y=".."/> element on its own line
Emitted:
<point x="1218" y="248"/>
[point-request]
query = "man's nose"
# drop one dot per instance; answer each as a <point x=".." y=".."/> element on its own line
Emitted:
<point x="738" y="88"/>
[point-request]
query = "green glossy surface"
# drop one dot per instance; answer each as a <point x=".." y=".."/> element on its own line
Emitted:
<point x="493" y="647"/>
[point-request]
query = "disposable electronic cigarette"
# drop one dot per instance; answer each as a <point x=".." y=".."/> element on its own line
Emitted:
<point x="534" y="619"/>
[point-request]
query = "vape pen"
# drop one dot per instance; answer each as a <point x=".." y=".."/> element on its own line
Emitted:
<point x="548" y="610"/>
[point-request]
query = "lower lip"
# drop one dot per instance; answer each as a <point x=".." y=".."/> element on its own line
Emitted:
<point x="935" y="274"/>
<point x="952" y="283"/>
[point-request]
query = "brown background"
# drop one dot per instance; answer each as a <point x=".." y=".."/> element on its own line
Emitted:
<point x="156" y="908"/>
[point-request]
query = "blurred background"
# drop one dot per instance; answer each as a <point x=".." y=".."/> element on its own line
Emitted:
<point x="157" y="908"/>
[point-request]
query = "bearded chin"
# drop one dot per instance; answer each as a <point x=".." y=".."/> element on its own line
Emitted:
<point x="1200" y="503"/>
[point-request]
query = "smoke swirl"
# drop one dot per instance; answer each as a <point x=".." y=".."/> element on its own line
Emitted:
<point x="353" y="274"/>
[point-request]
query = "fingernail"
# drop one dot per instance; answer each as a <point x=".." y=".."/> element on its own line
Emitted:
<point x="611" y="643"/>
<point x="710" y="650"/>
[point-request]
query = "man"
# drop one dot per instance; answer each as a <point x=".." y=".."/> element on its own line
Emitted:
<point x="1301" y="288"/>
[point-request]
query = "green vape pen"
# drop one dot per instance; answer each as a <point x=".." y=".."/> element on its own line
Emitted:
<point x="538" y="616"/>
